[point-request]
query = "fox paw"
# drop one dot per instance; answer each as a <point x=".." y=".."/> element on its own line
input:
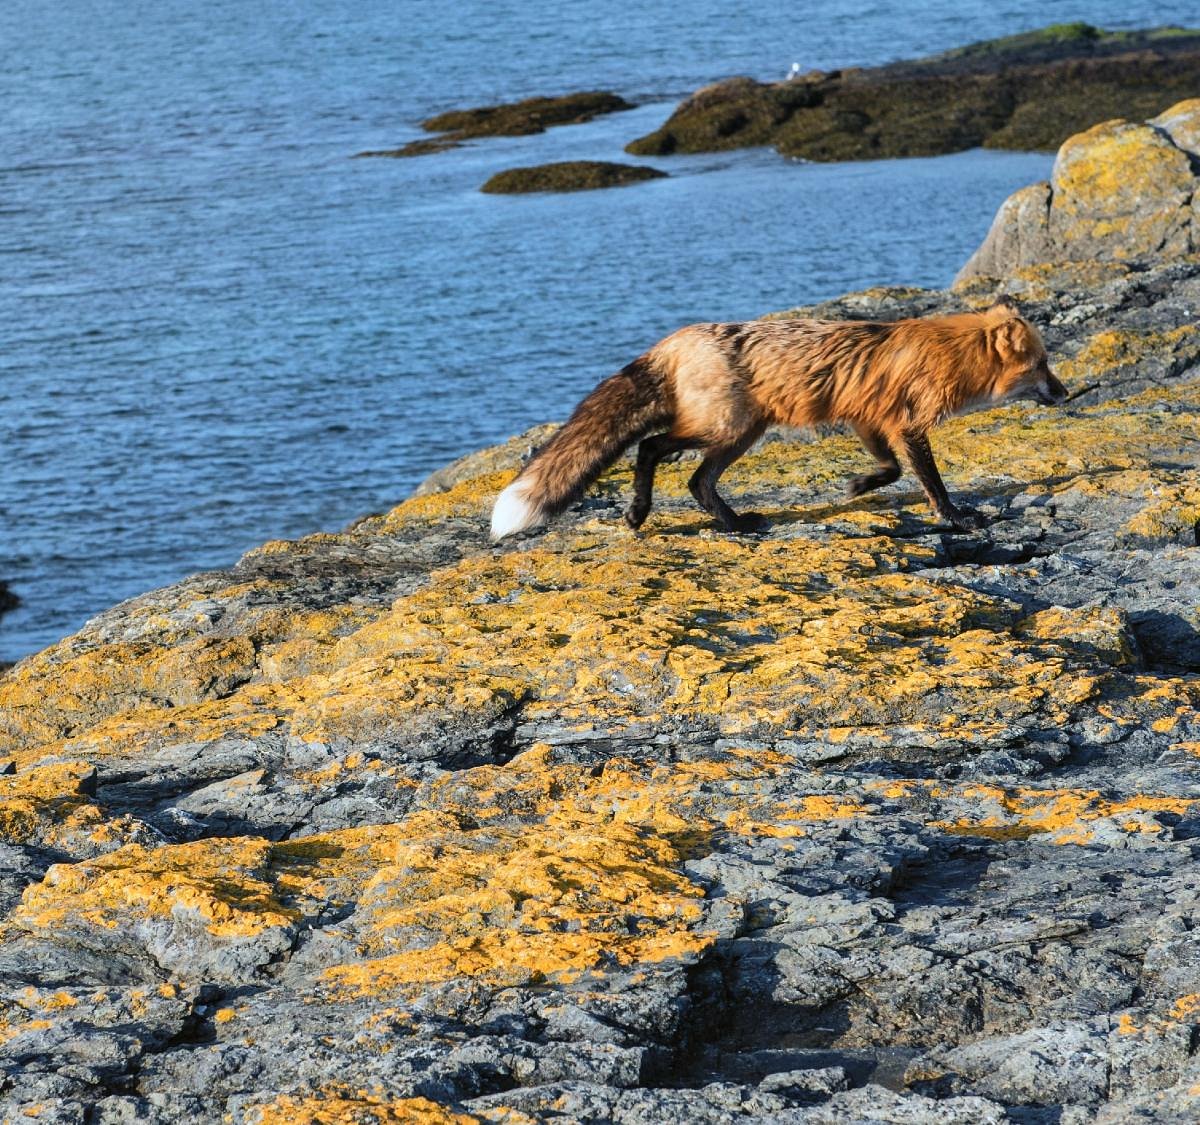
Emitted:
<point x="749" y="522"/>
<point x="867" y="482"/>
<point x="635" y="517"/>
<point x="964" y="519"/>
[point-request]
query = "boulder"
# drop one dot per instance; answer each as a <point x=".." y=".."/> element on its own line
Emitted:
<point x="1118" y="191"/>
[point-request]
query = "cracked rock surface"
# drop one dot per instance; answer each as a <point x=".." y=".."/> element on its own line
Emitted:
<point x="854" y="820"/>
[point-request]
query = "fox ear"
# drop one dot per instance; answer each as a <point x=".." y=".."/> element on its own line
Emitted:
<point x="1004" y="308"/>
<point x="1009" y="338"/>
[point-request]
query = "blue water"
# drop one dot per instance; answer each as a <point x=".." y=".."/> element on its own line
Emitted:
<point x="216" y="328"/>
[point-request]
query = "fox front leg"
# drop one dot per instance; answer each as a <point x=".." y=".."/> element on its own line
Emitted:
<point x="920" y="457"/>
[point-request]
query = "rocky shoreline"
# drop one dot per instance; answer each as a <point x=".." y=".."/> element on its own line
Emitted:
<point x="856" y="820"/>
<point x="1025" y="92"/>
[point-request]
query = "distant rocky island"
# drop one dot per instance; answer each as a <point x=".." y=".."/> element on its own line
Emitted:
<point x="853" y="820"/>
<point x="569" y="175"/>
<point x="1027" y="92"/>
<point x="511" y="119"/>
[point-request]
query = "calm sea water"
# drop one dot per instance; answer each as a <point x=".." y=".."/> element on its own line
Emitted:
<point x="216" y="328"/>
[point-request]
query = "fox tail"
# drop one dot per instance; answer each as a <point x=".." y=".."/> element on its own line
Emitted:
<point x="625" y="407"/>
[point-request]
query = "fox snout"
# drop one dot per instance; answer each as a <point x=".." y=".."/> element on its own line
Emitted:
<point x="1048" y="390"/>
<point x="1039" y="384"/>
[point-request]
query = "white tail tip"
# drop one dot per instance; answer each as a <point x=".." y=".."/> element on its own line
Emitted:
<point x="514" y="511"/>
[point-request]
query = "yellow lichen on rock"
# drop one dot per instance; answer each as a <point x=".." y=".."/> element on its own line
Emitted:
<point x="801" y="634"/>
<point x="1039" y="281"/>
<point x="52" y="805"/>
<point x="1116" y="348"/>
<point x="221" y="884"/>
<point x="1172" y="515"/>
<point x="1095" y="632"/>
<point x="349" y="1109"/>
<point x="1182" y="122"/>
<point x="645" y="621"/>
<point x="46" y="793"/>
<point x="589" y="877"/>
<point x="1119" y="191"/>
<point x="174" y="665"/>
<point x="471" y="497"/>
<point x="1123" y="185"/>
<point x="1102" y="452"/>
<point x="1064" y="816"/>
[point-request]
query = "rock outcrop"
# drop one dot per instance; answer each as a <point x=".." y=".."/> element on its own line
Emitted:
<point x="1120" y="190"/>
<point x="8" y="600"/>
<point x="853" y="820"/>
<point x="1024" y="92"/>
<point x="569" y="175"/>
<point x="512" y="119"/>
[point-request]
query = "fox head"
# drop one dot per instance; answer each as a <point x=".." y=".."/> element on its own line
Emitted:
<point x="1022" y="368"/>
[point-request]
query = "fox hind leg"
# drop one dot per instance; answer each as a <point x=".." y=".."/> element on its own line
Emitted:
<point x="650" y="452"/>
<point x="889" y="465"/>
<point x="703" y="484"/>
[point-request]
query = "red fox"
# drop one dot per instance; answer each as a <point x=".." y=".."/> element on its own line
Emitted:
<point x="716" y="387"/>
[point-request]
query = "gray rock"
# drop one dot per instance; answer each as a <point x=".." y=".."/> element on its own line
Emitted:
<point x="918" y="847"/>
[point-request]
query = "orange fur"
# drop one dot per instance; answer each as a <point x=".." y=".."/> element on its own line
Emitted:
<point x="716" y="387"/>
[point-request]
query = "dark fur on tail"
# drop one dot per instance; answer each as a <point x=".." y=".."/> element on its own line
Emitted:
<point x="622" y="409"/>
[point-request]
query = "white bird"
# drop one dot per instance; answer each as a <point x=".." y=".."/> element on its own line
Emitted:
<point x="795" y="71"/>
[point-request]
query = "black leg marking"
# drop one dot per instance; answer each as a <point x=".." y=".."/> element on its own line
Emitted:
<point x="889" y="467"/>
<point x="650" y="452"/>
<point x="920" y="456"/>
<point x="703" y="485"/>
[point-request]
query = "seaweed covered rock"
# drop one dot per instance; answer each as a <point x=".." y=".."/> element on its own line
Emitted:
<point x="569" y="175"/>
<point x="1028" y="91"/>
<point x="851" y="820"/>
<point x="1120" y="190"/>
<point x="512" y="119"/>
